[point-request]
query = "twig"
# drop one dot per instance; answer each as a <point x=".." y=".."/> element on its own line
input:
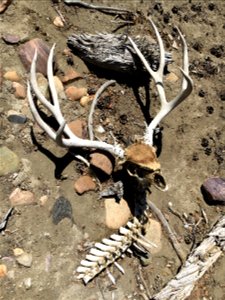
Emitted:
<point x="166" y="226"/>
<point x="94" y="102"/>
<point x="60" y="14"/>
<point x="5" y="219"/>
<point x="105" y="9"/>
<point x="144" y="283"/>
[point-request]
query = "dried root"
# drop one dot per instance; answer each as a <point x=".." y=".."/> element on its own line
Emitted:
<point x="110" y="249"/>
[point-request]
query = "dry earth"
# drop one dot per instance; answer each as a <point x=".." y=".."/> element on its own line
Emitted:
<point x="193" y="149"/>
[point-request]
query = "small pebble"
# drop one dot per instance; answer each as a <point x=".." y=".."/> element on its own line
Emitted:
<point x="3" y="270"/>
<point x="172" y="77"/>
<point x="58" y="85"/>
<point x="70" y="75"/>
<point x="58" y="22"/>
<point x="18" y="251"/>
<point x="25" y="259"/>
<point x="43" y="199"/>
<point x="27" y="283"/>
<point x="74" y="93"/>
<point x="20" y="197"/>
<point x="85" y="100"/>
<point x="11" y="38"/>
<point x="84" y="184"/>
<point x="17" y="119"/>
<point x="20" y="91"/>
<point x="12" y="76"/>
<point x="43" y="84"/>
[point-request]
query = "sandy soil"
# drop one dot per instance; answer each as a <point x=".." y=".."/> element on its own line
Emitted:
<point x="186" y="159"/>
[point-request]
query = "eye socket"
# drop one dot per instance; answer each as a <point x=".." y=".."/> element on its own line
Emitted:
<point x="159" y="182"/>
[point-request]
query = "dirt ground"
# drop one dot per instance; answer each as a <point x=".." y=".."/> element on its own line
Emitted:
<point x="193" y="149"/>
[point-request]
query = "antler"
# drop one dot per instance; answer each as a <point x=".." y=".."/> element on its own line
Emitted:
<point x="186" y="86"/>
<point x="63" y="136"/>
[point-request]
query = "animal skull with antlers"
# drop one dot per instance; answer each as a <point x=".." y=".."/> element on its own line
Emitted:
<point x="140" y="158"/>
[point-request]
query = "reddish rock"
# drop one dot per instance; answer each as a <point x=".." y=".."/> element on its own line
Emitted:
<point x="26" y="54"/>
<point x="74" y="93"/>
<point x="79" y="128"/>
<point x="102" y="162"/>
<point x="20" y="90"/>
<point x="84" y="184"/>
<point x="11" y="38"/>
<point x="70" y="75"/>
<point x="213" y="190"/>
<point x="85" y="100"/>
<point x="12" y="76"/>
<point x="19" y="197"/>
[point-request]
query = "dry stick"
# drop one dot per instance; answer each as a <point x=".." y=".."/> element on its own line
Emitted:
<point x="198" y="262"/>
<point x="111" y="10"/>
<point x="94" y="102"/>
<point x="174" y="241"/>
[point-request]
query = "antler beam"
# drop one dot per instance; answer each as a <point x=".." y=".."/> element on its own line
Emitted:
<point x="63" y="136"/>
<point x="186" y="86"/>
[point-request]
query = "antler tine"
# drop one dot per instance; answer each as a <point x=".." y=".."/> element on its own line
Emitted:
<point x="186" y="86"/>
<point x="58" y="136"/>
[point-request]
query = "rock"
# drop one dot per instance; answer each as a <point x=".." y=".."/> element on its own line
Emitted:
<point x="213" y="190"/>
<point x="16" y="118"/>
<point x="18" y="251"/>
<point x="26" y="54"/>
<point x="61" y="209"/>
<point x="19" y="197"/>
<point x="79" y="128"/>
<point x="12" y="76"/>
<point x="3" y="270"/>
<point x="11" y="38"/>
<point x="70" y="75"/>
<point x="43" y="199"/>
<point x="9" y="161"/>
<point x="25" y="259"/>
<point x="58" y="85"/>
<point x="101" y="162"/>
<point x="20" y="91"/>
<point x="116" y="213"/>
<point x="172" y="77"/>
<point x="74" y="93"/>
<point x="43" y="84"/>
<point x="84" y="184"/>
<point x="58" y="22"/>
<point x="154" y="234"/>
<point x="27" y="283"/>
<point x="85" y="100"/>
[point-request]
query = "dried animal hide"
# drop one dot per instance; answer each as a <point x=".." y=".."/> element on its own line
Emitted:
<point x="115" y="52"/>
